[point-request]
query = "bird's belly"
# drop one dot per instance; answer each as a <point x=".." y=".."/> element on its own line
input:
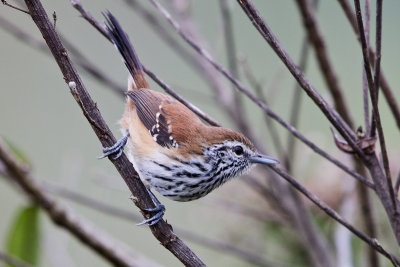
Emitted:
<point x="176" y="180"/>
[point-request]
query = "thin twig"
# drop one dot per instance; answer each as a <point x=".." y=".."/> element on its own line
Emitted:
<point x="317" y="40"/>
<point x="173" y="93"/>
<point x="328" y="111"/>
<point x="259" y="103"/>
<point x="367" y="215"/>
<point x="273" y="132"/>
<point x="296" y="106"/>
<point x="372" y="91"/>
<point x="333" y="214"/>
<point x="387" y="91"/>
<point x="93" y="238"/>
<point x="364" y="195"/>
<point x="377" y="66"/>
<point x="370" y="160"/>
<point x="226" y="98"/>
<point x="13" y="261"/>
<point x="157" y="26"/>
<point x="14" y="7"/>
<point x="231" y="53"/>
<point x="80" y="59"/>
<point x="365" y="82"/>
<point x="86" y="15"/>
<point x="106" y="208"/>
<point x="162" y="231"/>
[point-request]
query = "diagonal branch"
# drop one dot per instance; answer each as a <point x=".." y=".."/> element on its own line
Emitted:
<point x="328" y="111"/>
<point x="93" y="238"/>
<point x="80" y="59"/>
<point x="88" y="17"/>
<point x="342" y="125"/>
<point x="317" y="40"/>
<point x="333" y="214"/>
<point x="162" y="231"/>
<point x="105" y="208"/>
<point x="370" y="160"/>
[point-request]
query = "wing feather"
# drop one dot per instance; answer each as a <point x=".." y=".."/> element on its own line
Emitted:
<point x="150" y="110"/>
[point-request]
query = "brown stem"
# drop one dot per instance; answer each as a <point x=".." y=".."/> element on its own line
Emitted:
<point x="333" y="214"/>
<point x="105" y="208"/>
<point x="271" y="39"/>
<point x="78" y="6"/>
<point x="317" y="40"/>
<point x="386" y="90"/>
<point x="232" y="58"/>
<point x="373" y="85"/>
<point x="85" y="232"/>
<point x="162" y="231"/>
<point x="369" y="160"/>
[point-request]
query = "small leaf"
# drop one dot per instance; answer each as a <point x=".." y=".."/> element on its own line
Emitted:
<point x="366" y="144"/>
<point x="23" y="237"/>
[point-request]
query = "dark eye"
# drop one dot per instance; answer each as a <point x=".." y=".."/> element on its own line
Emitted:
<point x="238" y="150"/>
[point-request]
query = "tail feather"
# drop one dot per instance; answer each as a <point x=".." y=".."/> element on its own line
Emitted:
<point x="124" y="46"/>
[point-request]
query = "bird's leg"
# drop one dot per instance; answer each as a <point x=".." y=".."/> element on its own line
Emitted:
<point x="117" y="148"/>
<point x="160" y="209"/>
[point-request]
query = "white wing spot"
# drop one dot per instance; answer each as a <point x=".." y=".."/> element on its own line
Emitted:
<point x="155" y="137"/>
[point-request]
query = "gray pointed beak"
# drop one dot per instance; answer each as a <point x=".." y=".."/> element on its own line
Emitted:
<point x="262" y="159"/>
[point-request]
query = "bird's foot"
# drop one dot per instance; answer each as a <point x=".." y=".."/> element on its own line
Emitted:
<point x="117" y="148"/>
<point x="160" y="209"/>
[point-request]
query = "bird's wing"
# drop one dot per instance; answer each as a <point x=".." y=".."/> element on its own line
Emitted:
<point x="154" y="111"/>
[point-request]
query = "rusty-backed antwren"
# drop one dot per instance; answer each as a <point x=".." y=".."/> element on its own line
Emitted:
<point x="172" y="150"/>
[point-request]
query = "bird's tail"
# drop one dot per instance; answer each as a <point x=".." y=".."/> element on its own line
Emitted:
<point x="121" y="41"/>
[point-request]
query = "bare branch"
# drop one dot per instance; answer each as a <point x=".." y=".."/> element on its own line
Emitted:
<point x="333" y="214"/>
<point x="87" y="233"/>
<point x="370" y="160"/>
<point x="226" y="98"/>
<point x="296" y="106"/>
<point x="387" y="91"/>
<point x="162" y="231"/>
<point x="329" y="74"/>
<point x="364" y="75"/>
<point x="80" y="59"/>
<point x="14" y="7"/>
<point x="232" y="58"/>
<point x="259" y="103"/>
<point x="78" y="6"/>
<point x="330" y="113"/>
<point x="106" y="208"/>
<point x="373" y="85"/>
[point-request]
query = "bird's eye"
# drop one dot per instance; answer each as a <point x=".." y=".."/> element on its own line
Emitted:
<point x="238" y="150"/>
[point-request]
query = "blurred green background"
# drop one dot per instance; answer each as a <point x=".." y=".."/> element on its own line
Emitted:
<point x="38" y="115"/>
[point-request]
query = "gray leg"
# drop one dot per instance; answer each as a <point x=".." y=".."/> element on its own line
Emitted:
<point x="160" y="209"/>
<point x="117" y="148"/>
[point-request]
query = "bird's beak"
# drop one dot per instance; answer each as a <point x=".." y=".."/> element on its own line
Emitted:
<point x="263" y="160"/>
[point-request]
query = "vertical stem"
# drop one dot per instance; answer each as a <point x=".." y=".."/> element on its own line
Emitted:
<point x="372" y="91"/>
<point x="365" y="82"/>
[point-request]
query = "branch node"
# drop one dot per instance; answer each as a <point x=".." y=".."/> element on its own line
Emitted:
<point x="134" y="199"/>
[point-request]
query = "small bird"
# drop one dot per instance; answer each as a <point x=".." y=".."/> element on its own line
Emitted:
<point x="172" y="150"/>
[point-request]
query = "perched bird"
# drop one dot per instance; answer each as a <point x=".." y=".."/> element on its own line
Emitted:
<point x="172" y="150"/>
